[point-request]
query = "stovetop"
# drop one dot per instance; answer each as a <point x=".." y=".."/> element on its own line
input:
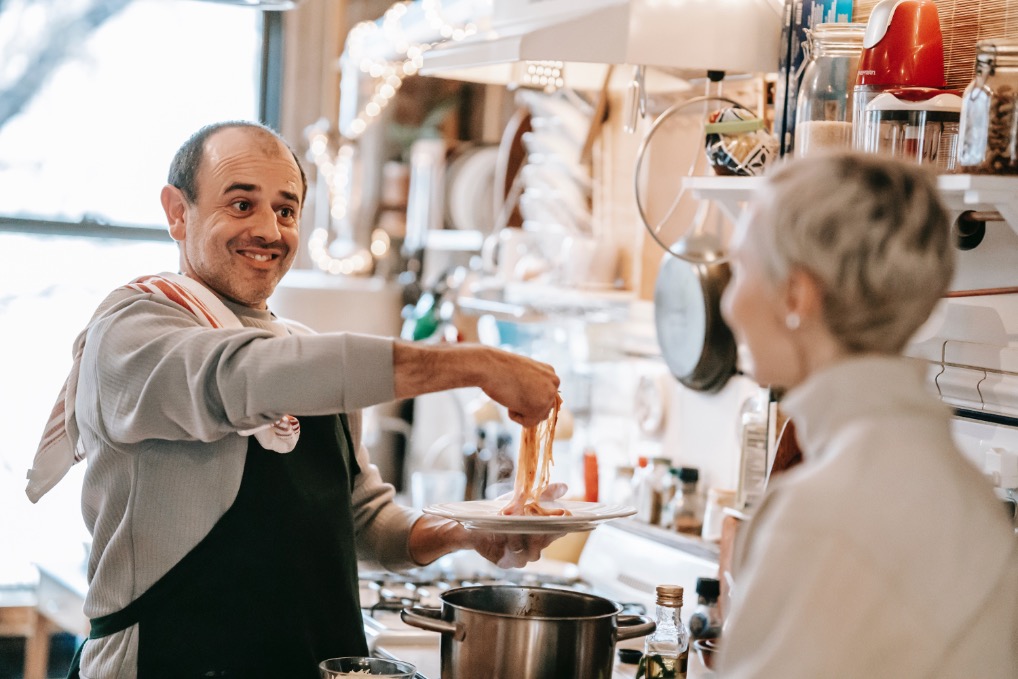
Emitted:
<point x="618" y="564"/>
<point x="383" y="594"/>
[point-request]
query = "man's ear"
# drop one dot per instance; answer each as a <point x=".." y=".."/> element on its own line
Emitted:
<point x="804" y="295"/>
<point x="175" y="207"/>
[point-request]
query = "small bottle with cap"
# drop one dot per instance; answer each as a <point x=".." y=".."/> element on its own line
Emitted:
<point x="687" y="507"/>
<point x="666" y="650"/>
<point x="705" y="622"/>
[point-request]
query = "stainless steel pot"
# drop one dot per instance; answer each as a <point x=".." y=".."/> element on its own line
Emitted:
<point x="512" y="632"/>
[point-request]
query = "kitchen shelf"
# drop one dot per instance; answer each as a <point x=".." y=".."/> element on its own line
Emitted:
<point x="730" y="193"/>
<point x="536" y="302"/>
<point x="685" y="543"/>
<point x="960" y="192"/>
<point x="963" y="192"/>
<point x="455" y="240"/>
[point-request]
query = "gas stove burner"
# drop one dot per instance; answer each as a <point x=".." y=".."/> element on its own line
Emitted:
<point x="632" y="608"/>
<point x="395" y="595"/>
<point x="391" y="592"/>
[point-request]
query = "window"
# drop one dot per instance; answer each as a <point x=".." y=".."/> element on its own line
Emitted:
<point x="95" y="97"/>
<point x="87" y="129"/>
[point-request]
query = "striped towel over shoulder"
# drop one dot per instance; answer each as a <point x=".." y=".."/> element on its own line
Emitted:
<point x="60" y="448"/>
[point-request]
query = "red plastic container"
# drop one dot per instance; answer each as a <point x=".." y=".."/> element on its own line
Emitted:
<point x="903" y="48"/>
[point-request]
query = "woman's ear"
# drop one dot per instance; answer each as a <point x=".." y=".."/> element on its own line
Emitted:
<point x="804" y="296"/>
<point x="175" y="207"/>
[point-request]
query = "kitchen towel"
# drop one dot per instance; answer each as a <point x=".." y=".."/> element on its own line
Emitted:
<point x="60" y="448"/>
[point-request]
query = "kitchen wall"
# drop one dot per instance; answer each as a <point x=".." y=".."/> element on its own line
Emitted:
<point x="699" y="429"/>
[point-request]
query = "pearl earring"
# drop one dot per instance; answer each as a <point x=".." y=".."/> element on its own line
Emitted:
<point x="792" y="321"/>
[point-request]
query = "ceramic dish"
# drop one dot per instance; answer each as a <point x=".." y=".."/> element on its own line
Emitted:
<point x="484" y="515"/>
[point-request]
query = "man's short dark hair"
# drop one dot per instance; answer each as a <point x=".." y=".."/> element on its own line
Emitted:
<point x="186" y="162"/>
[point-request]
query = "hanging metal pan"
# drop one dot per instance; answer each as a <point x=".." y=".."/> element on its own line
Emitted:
<point x="695" y="341"/>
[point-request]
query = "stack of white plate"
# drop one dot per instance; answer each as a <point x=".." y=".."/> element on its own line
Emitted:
<point x="557" y="187"/>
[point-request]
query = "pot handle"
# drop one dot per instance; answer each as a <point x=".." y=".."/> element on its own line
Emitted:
<point x="430" y="619"/>
<point x="634" y="626"/>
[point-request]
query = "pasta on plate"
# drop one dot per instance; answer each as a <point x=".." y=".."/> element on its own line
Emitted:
<point x="533" y="470"/>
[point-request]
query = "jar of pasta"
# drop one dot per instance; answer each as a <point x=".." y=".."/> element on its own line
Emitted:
<point x="989" y="126"/>
<point x="823" y="112"/>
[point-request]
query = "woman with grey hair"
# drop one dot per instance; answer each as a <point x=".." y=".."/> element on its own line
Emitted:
<point x="851" y="558"/>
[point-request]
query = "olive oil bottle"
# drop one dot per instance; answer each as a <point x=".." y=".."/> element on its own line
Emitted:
<point x="666" y="651"/>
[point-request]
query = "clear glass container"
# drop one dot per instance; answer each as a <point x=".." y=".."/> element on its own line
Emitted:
<point x="666" y="650"/>
<point x="622" y="486"/>
<point x="669" y="491"/>
<point x="989" y="125"/>
<point x="651" y="488"/>
<point x="823" y="112"/>
<point x="713" y="513"/>
<point x="918" y="124"/>
<point x="685" y="512"/>
<point x="753" y="463"/>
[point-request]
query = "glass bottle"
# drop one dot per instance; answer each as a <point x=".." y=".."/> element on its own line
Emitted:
<point x="641" y="470"/>
<point x="753" y="465"/>
<point x="502" y="467"/>
<point x="622" y="486"/>
<point x="705" y="622"/>
<point x="687" y="507"/>
<point x="823" y="112"/>
<point x="989" y="125"/>
<point x="669" y="497"/>
<point x="651" y="489"/>
<point x="666" y="651"/>
<point x="475" y="466"/>
<point x="713" y="513"/>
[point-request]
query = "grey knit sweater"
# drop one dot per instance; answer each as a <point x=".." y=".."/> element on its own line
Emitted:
<point x="160" y="399"/>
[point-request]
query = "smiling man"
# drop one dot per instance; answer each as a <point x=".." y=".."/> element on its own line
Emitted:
<point x="227" y="490"/>
<point x="240" y="234"/>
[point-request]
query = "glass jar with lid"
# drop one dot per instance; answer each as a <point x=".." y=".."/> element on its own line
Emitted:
<point x="989" y="126"/>
<point x="823" y="112"/>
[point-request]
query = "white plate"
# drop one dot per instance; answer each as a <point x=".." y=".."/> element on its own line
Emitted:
<point x="484" y="515"/>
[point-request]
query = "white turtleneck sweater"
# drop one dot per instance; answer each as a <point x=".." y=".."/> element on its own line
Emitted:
<point x="849" y="563"/>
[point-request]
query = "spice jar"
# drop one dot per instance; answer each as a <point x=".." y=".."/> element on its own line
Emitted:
<point x="823" y="112"/>
<point x="685" y="512"/>
<point x="989" y="127"/>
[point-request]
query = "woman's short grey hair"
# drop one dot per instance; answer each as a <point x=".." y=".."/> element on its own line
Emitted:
<point x="871" y="230"/>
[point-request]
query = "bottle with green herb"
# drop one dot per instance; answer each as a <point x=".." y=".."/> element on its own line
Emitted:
<point x="666" y="651"/>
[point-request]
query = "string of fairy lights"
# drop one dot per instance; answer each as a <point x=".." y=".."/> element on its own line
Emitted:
<point x="336" y="167"/>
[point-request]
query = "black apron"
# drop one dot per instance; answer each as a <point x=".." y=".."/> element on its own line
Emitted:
<point x="272" y="589"/>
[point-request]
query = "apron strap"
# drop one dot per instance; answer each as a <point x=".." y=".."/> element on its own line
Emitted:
<point x="74" y="670"/>
<point x="131" y="614"/>
<point x="105" y="625"/>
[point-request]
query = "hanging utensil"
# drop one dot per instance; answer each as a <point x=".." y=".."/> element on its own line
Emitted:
<point x="695" y="246"/>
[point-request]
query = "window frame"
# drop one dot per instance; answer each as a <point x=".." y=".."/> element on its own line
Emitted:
<point x="270" y="77"/>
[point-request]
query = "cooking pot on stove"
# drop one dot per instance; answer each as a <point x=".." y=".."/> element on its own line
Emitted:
<point x="513" y="632"/>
